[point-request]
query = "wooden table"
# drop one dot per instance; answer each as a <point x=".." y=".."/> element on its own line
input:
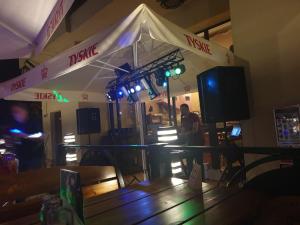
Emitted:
<point x="168" y="201"/>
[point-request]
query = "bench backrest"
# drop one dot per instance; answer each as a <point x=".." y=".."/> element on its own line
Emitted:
<point x="47" y="180"/>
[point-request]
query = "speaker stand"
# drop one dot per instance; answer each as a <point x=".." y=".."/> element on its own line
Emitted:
<point x="213" y="141"/>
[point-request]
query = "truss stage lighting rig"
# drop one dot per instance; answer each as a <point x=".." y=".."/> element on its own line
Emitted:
<point x="129" y="83"/>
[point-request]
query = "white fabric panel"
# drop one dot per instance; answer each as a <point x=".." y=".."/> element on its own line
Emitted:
<point x="29" y="24"/>
<point x="12" y="45"/>
<point x="27" y="17"/>
<point x="155" y="35"/>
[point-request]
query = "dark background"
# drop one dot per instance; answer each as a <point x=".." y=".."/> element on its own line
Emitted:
<point x="35" y="111"/>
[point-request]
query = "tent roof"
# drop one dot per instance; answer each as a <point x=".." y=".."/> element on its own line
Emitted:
<point x="88" y="66"/>
<point x="26" y="26"/>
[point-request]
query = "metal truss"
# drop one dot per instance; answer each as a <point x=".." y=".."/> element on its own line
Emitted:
<point x="165" y="62"/>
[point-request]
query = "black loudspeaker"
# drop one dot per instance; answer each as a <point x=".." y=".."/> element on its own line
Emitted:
<point x="88" y="120"/>
<point x="223" y="94"/>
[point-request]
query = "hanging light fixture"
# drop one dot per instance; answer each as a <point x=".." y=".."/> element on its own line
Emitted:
<point x="69" y="138"/>
<point x="175" y="71"/>
<point x="149" y="86"/>
<point x="171" y="4"/>
<point x="71" y="155"/>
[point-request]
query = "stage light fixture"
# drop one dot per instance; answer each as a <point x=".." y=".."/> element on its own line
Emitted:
<point x="132" y="91"/>
<point x="160" y="77"/>
<point x="120" y="94"/>
<point x="108" y="97"/>
<point x="180" y="69"/>
<point x="149" y="86"/>
<point x="167" y="73"/>
<point x="124" y="90"/>
<point x="175" y="71"/>
<point x="111" y="95"/>
<point x="144" y="82"/>
<point x="138" y="87"/>
<point x="129" y="92"/>
<point x="165" y="84"/>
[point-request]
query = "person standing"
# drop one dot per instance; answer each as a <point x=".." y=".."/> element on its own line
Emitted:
<point x="192" y="134"/>
<point x="27" y="137"/>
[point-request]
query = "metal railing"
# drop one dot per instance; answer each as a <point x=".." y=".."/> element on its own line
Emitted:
<point x="155" y="154"/>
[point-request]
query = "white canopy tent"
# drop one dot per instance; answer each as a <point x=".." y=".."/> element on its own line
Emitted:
<point x="141" y="38"/>
<point x="27" y="26"/>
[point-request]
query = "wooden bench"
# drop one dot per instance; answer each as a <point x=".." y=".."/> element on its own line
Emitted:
<point x="95" y="180"/>
<point x="237" y="209"/>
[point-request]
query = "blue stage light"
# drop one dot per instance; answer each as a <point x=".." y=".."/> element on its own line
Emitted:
<point x="15" y="131"/>
<point x="138" y="87"/>
<point x="165" y="84"/>
<point x="132" y="90"/>
<point x="120" y="94"/>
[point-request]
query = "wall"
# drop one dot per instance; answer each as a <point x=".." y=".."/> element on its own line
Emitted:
<point x="68" y="117"/>
<point x="69" y="121"/>
<point x="266" y="34"/>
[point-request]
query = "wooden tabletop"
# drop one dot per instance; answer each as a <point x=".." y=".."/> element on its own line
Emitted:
<point x="168" y="201"/>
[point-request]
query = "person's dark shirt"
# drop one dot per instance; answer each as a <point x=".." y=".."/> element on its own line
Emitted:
<point x="187" y="124"/>
<point x="28" y="148"/>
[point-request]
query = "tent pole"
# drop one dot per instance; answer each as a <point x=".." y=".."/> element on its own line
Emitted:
<point x="139" y="112"/>
<point x="119" y="120"/>
<point x="174" y="111"/>
<point x="169" y="102"/>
